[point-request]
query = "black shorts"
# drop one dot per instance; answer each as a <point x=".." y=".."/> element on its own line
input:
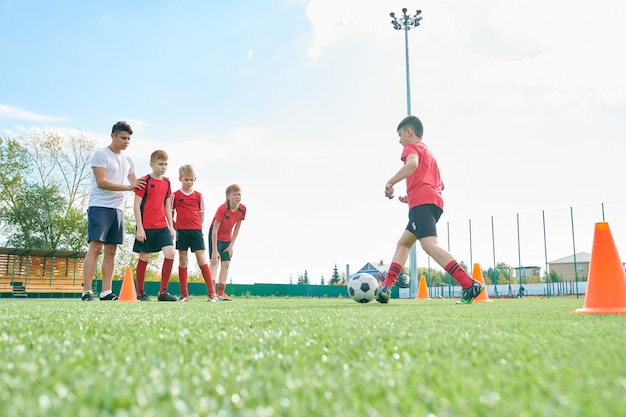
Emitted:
<point x="156" y="239"/>
<point x="423" y="220"/>
<point x="189" y="239"/>
<point x="221" y="248"/>
<point x="106" y="225"/>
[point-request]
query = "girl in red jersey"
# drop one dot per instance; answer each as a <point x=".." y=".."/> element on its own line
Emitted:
<point x="222" y="235"/>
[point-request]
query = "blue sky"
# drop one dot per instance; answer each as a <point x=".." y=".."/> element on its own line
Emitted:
<point x="523" y="104"/>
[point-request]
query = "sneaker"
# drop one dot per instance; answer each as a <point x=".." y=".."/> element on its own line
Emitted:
<point x="88" y="296"/>
<point x="468" y="294"/>
<point x="143" y="297"/>
<point x="224" y="297"/>
<point x="166" y="296"/>
<point x="183" y="299"/>
<point x="212" y="299"/>
<point x="109" y="297"/>
<point x="383" y="294"/>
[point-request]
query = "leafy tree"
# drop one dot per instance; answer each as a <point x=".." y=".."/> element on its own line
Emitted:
<point x="65" y="163"/>
<point x="14" y="162"/>
<point x="34" y="217"/>
<point x="554" y="277"/>
<point x="44" y="183"/>
<point x="502" y="274"/>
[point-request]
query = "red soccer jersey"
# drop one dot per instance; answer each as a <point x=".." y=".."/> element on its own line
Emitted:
<point x="424" y="185"/>
<point x="188" y="208"/>
<point x="155" y="195"/>
<point x="228" y="219"/>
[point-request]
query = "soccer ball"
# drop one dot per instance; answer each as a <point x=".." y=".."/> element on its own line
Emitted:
<point x="362" y="287"/>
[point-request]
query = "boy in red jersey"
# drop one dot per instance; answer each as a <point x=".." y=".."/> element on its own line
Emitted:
<point x="155" y="227"/>
<point x="222" y="235"/>
<point x="188" y="210"/>
<point x="423" y="187"/>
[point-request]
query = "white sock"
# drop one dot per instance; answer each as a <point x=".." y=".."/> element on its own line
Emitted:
<point x="105" y="293"/>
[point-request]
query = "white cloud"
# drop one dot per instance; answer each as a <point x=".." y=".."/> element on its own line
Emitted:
<point x="579" y="47"/>
<point x="15" y="113"/>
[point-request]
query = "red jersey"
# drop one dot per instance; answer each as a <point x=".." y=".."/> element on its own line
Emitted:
<point x="228" y="219"/>
<point x="424" y="185"/>
<point x="154" y="196"/>
<point x="188" y="208"/>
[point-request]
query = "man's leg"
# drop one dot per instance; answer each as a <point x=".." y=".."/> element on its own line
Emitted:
<point x="108" y="266"/>
<point x="90" y="264"/>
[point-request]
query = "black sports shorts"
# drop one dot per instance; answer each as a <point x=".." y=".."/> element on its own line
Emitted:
<point x="423" y="220"/>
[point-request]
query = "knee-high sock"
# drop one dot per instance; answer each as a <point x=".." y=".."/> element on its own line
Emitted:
<point x="458" y="273"/>
<point x="182" y="279"/>
<point x="166" y="271"/>
<point x="392" y="274"/>
<point x="208" y="279"/>
<point x="141" y="276"/>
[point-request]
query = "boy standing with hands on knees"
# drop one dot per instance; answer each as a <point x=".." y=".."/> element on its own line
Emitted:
<point x="423" y="188"/>
<point x="155" y="227"/>
<point x="188" y="210"/>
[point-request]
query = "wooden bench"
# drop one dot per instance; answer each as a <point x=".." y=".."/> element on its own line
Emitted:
<point x="57" y="285"/>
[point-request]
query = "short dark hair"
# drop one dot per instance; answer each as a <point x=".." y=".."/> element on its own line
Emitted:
<point x="413" y="123"/>
<point x="121" y="126"/>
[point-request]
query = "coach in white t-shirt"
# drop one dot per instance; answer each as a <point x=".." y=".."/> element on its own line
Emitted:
<point x="105" y="214"/>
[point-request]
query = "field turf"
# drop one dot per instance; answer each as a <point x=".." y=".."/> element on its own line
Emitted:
<point x="310" y="357"/>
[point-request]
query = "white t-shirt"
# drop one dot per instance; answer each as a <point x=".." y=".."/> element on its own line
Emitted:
<point x="118" y="168"/>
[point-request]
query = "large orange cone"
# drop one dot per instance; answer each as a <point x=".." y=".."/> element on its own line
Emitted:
<point x="478" y="276"/>
<point x="128" y="292"/>
<point x="422" y="292"/>
<point x="606" y="284"/>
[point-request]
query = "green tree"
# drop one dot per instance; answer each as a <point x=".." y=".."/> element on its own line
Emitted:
<point x="303" y="279"/>
<point x="403" y="279"/>
<point x="34" y="218"/>
<point x="335" y="279"/>
<point x="554" y="277"/>
<point x="47" y="176"/>
<point x="14" y="161"/>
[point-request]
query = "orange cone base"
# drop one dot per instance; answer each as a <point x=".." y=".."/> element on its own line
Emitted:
<point x="600" y="310"/>
<point x="606" y="284"/>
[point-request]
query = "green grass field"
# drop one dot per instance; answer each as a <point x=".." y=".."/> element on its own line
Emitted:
<point x="310" y="357"/>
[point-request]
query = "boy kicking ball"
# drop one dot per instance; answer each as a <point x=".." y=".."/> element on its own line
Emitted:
<point x="423" y="188"/>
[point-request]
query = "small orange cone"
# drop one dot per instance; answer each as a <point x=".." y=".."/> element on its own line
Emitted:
<point x="422" y="292"/>
<point x="477" y="274"/>
<point x="606" y="284"/>
<point x="128" y="292"/>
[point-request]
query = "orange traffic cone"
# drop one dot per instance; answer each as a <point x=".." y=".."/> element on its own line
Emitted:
<point x="422" y="292"/>
<point x="128" y="292"/>
<point x="606" y="284"/>
<point x="478" y="276"/>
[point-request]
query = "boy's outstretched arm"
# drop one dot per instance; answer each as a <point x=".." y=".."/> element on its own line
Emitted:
<point x="409" y="167"/>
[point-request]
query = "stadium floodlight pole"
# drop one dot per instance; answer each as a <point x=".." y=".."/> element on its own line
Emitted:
<point x="406" y="23"/>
